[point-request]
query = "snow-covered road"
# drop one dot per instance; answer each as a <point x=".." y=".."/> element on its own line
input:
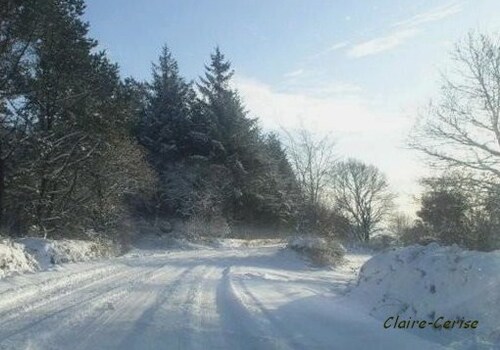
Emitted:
<point x="224" y="298"/>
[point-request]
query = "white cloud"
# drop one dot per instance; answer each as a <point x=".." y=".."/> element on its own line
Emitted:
<point x="381" y="44"/>
<point x="435" y="14"/>
<point x="334" y="47"/>
<point x="337" y="46"/>
<point x="405" y="30"/>
<point x="321" y="89"/>
<point x="329" y="112"/>
<point x="361" y="130"/>
<point x="294" y="73"/>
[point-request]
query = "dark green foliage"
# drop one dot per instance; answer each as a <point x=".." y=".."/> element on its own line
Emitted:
<point x="166" y="124"/>
<point x="211" y="158"/>
<point x="80" y="148"/>
<point x="458" y="209"/>
<point x="262" y="180"/>
<point x="75" y="161"/>
<point x="444" y="209"/>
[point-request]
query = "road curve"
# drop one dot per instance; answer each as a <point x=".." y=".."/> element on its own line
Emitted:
<point x="225" y="298"/>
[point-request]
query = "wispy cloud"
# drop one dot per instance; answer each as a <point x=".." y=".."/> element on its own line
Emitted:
<point x="403" y="31"/>
<point x="320" y="89"/>
<point x="334" y="47"/>
<point x="381" y="44"/>
<point x="337" y="46"/>
<point x="294" y="73"/>
<point x="432" y="15"/>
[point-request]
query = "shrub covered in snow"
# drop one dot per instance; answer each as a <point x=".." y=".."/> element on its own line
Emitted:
<point x="49" y="252"/>
<point x="320" y="250"/>
<point x="425" y="282"/>
<point x="13" y="257"/>
<point x="31" y="254"/>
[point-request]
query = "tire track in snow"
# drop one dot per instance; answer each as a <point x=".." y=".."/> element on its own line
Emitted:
<point x="241" y="328"/>
<point x="276" y="324"/>
<point x="202" y="314"/>
<point x="168" y="320"/>
<point x="22" y="294"/>
<point x="41" y="300"/>
<point x="134" y="315"/>
<point x="65" y="310"/>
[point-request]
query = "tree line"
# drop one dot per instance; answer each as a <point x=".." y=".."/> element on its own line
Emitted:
<point x="83" y="148"/>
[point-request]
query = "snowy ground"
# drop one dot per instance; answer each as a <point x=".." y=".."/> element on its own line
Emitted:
<point x="229" y="297"/>
<point x="35" y="254"/>
<point x="428" y="282"/>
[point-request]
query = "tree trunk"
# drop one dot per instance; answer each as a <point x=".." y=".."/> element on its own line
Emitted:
<point x="2" y="189"/>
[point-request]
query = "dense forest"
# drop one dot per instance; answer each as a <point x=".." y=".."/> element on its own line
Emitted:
<point x="83" y="149"/>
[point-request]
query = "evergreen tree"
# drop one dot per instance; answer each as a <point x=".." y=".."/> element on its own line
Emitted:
<point x="166" y="124"/>
<point x="261" y="177"/>
<point x="76" y="114"/>
<point x="19" y="27"/>
<point x="223" y="109"/>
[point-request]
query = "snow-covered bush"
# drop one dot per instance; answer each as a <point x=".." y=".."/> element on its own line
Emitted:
<point x="31" y="254"/>
<point x="13" y="258"/>
<point x="48" y="252"/>
<point x="320" y="250"/>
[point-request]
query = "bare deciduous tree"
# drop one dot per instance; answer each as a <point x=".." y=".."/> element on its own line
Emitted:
<point x="312" y="160"/>
<point x="361" y="192"/>
<point x="461" y="129"/>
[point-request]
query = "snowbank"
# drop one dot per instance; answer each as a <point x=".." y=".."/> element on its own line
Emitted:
<point x="427" y="282"/>
<point x="13" y="257"/>
<point x="49" y="252"/>
<point x="32" y="254"/>
<point x="238" y="243"/>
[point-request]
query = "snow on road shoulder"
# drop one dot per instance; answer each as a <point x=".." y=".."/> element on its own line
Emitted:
<point x="13" y="258"/>
<point x="428" y="282"/>
<point x="305" y="308"/>
<point x="32" y="254"/>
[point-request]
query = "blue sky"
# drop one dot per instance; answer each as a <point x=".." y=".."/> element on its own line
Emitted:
<point x="358" y="70"/>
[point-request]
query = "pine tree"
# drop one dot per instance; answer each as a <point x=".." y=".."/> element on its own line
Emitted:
<point x="228" y="121"/>
<point x="232" y="133"/>
<point x="76" y="114"/>
<point x="262" y="179"/>
<point x="167" y="121"/>
<point x="19" y="27"/>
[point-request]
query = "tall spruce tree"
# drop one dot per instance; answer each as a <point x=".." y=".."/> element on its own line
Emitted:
<point x="167" y="121"/>
<point x="223" y="108"/>
<point x="258" y="165"/>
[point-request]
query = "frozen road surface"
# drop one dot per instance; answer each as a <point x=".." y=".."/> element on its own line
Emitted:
<point x="214" y="298"/>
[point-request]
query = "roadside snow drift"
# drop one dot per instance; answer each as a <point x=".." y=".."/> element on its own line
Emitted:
<point x="32" y="254"/>
<point x="13" y="258"/>
<point x="427" y="282"/>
